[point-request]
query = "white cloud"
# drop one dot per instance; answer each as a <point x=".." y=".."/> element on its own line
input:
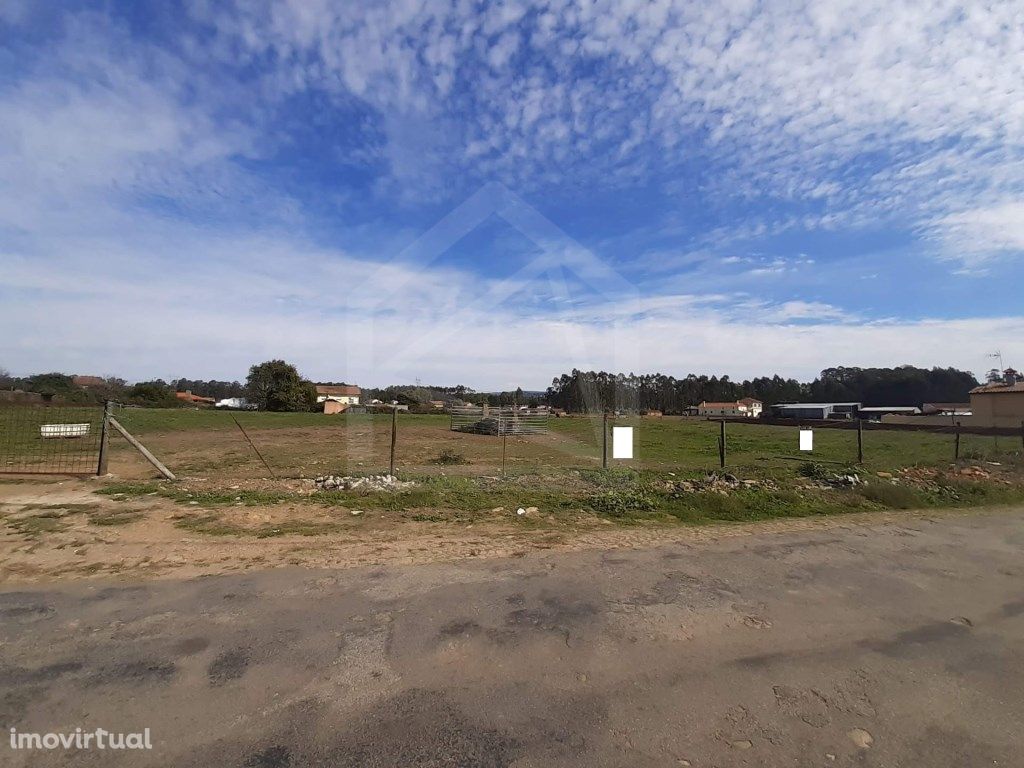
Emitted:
<point x="860" y="109"/>
<point x="976" y="234"/>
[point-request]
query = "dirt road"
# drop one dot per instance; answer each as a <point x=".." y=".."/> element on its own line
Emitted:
<point x="894" y="644"/>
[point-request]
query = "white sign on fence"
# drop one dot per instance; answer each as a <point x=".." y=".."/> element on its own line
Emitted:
<point x="806" y="439"/>
<point x="622" y="442"/>
<point x="63" y="430"/>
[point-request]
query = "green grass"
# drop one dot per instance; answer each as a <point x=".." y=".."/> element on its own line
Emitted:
<point x="33" y="526"/>
<point x="559" y="473"/>
<point x="115" y="517"/>
<point x="211" y="524"/>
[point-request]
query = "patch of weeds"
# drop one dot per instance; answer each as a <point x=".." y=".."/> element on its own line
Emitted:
<point x="620" y="477"/>
<point x="813" y="470"/>
<point x="208" y="524"/>
<point x="447" y="457"/>
<point x="893" y="496"/>
<point x="296" y="528"/>
<point x="220" y="498"/>
<point x="210" y="498"/>
<point x="628" y="502"/>
<point x="35" y="525"/>
<point x="70" y="509"/>
<point x="115" y="517"/>
<point x="130" y="489"/>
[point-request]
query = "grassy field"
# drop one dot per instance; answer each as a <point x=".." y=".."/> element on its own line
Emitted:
<point x="306" y="444"/>
<point x="559" y="473"/>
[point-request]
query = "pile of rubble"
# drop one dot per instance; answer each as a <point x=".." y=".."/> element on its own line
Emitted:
<point x="714" y="482"/>
<point x="365" y="483"/>
<point x="835" y="480"/>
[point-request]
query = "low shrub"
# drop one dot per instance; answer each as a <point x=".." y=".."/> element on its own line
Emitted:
<point x="622" y="503"/>
<point x="447" y="457"/>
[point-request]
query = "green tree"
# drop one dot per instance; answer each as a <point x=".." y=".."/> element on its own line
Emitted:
<point x="153" y="394"/>
<point x="277" y="386"/>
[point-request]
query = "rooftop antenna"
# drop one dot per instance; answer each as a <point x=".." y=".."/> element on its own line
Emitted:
<point x="999" y="356"/>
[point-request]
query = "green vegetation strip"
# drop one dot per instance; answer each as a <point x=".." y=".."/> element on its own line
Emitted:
<point x="623" y="496"/>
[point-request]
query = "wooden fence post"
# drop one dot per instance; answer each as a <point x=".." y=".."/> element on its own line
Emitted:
<point x="142" y="449"/>
<point x="956" y="449"/>
<point x="394" y="439"/>
<point x="721" y="444"/>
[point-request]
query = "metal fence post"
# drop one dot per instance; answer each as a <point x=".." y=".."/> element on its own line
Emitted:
<point x="101" y="467"/>
<point x="394" y="439"/>
<point x="604" y="441"/>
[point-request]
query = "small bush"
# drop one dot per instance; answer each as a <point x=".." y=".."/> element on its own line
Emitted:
<point x="811" y="469"/>
<point x="622" y="503"/>
<point x="450" y="457"/>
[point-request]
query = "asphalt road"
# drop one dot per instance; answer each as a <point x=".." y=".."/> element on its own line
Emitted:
<point x="886" y="645"/>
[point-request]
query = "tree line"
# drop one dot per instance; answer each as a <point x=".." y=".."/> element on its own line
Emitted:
<point x="595" y="391"/>
<point x="276" y="385"/>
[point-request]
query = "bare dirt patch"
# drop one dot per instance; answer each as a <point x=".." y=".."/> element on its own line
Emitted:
<point x="155" y="537"/>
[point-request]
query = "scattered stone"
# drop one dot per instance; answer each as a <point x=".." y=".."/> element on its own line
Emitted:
<point x="364" y="483"/>
<point x="520" y="511"/>
<point x="962" y="621"/>
<point x="532" y="510"/>
<point x="887" y="475"/>
<point x="356" y="512"/>
<point x="861" y="738"/>
<point x="714" y="482"/>
<point x="498" y="509"/>
<point x="742" y="744"/>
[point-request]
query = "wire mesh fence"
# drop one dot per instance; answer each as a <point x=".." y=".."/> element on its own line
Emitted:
<point x="50" y="439"/>
<point x="505" y="420"/>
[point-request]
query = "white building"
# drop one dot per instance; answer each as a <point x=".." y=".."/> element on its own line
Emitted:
<point x="748" y="408"/>
<point x="343" y="393"/>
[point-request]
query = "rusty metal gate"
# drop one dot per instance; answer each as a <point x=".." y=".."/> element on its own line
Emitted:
<point x="43" y="439"/>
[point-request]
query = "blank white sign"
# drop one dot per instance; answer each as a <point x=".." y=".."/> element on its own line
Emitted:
<point x="622" y="442"/>
<point x="806" y="439"/>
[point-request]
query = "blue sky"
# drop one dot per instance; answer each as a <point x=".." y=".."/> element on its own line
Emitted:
<point x="493" y="194"/>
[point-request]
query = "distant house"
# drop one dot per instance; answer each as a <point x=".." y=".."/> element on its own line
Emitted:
<point x="999" y="403"/>
<point x="439" y="404"/>
<point x="338" y="393"/>
<point x="188" y="397"/>
<point x="236" y="403"/>
<point x="815" y="410"/>
<point x="88" y="381"/>
<point x="747" y="408"/>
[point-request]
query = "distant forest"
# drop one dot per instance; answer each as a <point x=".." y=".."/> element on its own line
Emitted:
<point x="578" y="391"/>
<point x="594" y="391"/>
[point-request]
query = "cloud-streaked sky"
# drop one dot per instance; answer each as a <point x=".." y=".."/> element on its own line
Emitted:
<point x="492" y="194"/>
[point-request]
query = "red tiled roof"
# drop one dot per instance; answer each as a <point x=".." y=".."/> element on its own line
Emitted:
<point x="332" y="390"/>
<point x="190" y="398"/>
<point x="998" y="388"/>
